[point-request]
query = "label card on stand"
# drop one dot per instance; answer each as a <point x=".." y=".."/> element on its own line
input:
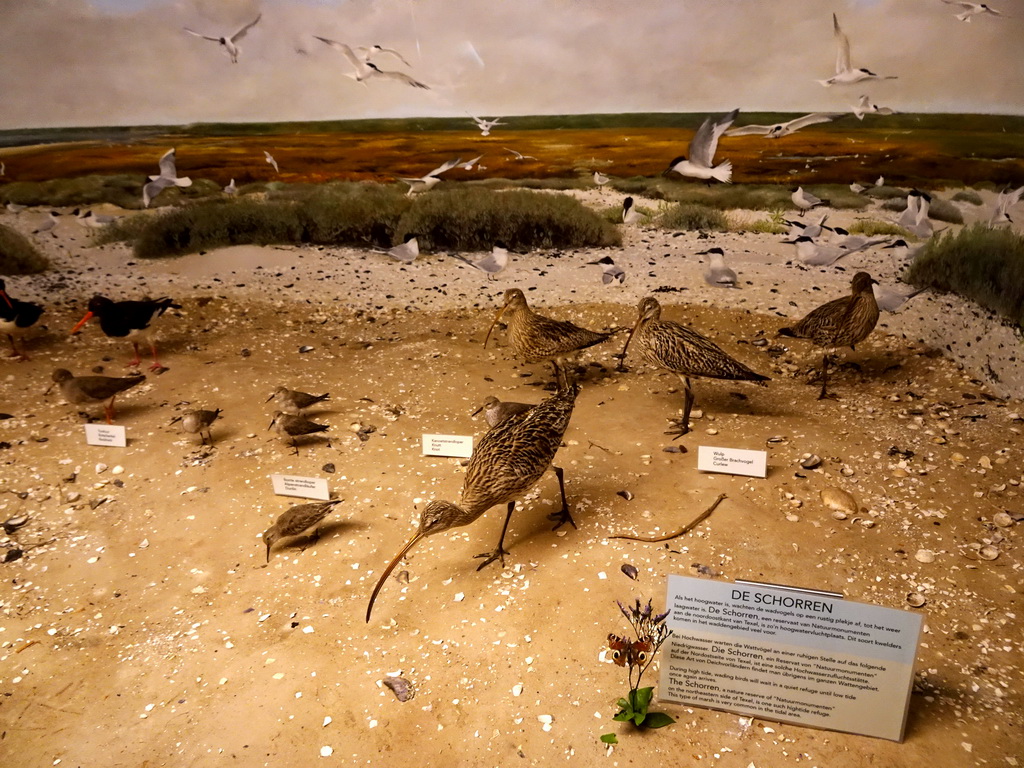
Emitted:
<point x="458" y="446"/>
<point x="732" y="461"/>
<point x="110" y="435"/>
<point x="303" y="487"/>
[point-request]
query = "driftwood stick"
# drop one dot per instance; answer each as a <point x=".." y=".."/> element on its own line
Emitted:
<point x="685" y="529"/>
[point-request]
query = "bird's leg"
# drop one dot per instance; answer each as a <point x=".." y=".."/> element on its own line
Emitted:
<point x="136" y="361"/>
<point x="683" y="424"/>
<point x="109" y="410"/>
<point x="295" y="446"/>
<point x="563" y="516"/>
<point x="824" y="379"/>
<point x="156" y="363"/>
<point x="500" y="552"/>
<point x="14" y="349"/>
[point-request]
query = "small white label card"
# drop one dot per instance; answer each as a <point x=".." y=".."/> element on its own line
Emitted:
<point x="303" y="487"/>
<point x="791" y="655"/>
<point x="459" y="446"/>
<point x="110" y="435"/>
<point x="732" y="461"/>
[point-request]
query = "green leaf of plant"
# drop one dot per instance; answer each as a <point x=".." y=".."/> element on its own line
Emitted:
<point x="643" y="699"/>
<point x="610" y="738"/>
<point x="624" y="716"/>
<point x="623" y="704"/>
<point x="657" y="720"/>
<point x="638" y="718"/>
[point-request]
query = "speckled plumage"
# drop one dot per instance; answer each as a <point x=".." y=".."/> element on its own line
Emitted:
<point x="297" y="520"/>
<point x="842" y="322"/>
<point x="683" y="351"/>
<point x="289" y="425"/>
<point x="509" y="459"/>
<point x="198" y="421"/>
<point x="496" y="411"/>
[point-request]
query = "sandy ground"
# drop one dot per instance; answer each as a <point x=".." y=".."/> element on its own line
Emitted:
<point x="142" y="626"/>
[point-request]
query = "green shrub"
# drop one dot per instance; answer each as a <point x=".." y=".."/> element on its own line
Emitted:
<point x="885" y="192"/>
<point x="967" y="196"/>
<point x="17" y="254"/>
<point x="122" y="190"/>
<point x="474" y="219"/>
<point x="688" y="216"/>
<point x="980" y="263"/>
<point x="872" y="227"/>
<point x="938" y="210"/>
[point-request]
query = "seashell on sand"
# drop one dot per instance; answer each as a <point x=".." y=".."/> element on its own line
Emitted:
<point x="838" y="499"/>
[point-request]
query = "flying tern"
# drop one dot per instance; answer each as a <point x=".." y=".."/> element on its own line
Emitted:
<point x="168" y="177"/>
<point x="972" y="9"/>
<point x="519" y="155"/>
<point x="867" y="107"/>
<point x="426" y="182"/>
<point x="784" y="129"/>
<point x="229" y="42"/>
<point x="271" y="161"/>
<point x="1006" y="200"/>
<point x="702" y="148"/>
<point x="366" y="70"/>
<point x="845" y="75"/>
<point x="485" y="125"/>
<point x="370" y="51"/>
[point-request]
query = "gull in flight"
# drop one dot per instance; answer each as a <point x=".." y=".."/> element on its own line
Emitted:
<point x="610" y="271"/>
<point x="805" y="200"/>
<point x="168" y="178"/>
<point x="366" y="69"/>
<point x="845" y="75"/>
<point x="229" y="42"/>
<point x="406" y="252"/>
<point x="369" y="51"/>
<point x="1006" y="200"/>
<point x="491" y="263"/>
<point x="971" y="9"/>
<point x="718" y="272"/>
<point x="469" y="165"/>
<point x="426" y="182"/>
<point x="867" y="107"/>
<point x="485" y="125"/>
<point x="16" y="207"/>
<point x="702" y="148"/>
<point x="784" y="129"/>
<point x="519" y="155"/>
<point x="271" y="161"/>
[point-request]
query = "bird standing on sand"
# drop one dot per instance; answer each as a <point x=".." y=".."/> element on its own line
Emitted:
<point x="845" y="74"/>
<point x="496" y="411"/>
<point x="290" y="426"/>
<point x="294" y="402"/>
<point x="610" y="271"/>
<point x="197" y="421"/>
<point x="491" y="263"/>
<point x="842" y="322"/>
<point x="298" y="520"/>
<point x="684" y="352"/>
<point x="406" y="251"/>
<point x="536" y="338"/>
<point x="168" y="177"/>
<point x="81" y="390"/>
<point x="16" y="317"/>
<point x="507" y="462"/>
<point x="229" y="43"/>
<point x="129" y="319"/>
<point x="703" y="145"/>
<point x="718" y="273"/>
<point x="805" y="200"/>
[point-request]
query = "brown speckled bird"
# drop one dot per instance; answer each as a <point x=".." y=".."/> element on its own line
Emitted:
<point x="684" y="352"/>
<point x="296" y="521"/>
<point x="291" y="426"/>
<point x="841" y="322"/>
<point x="507" y="462"/>
<point x="536" y="338"/>
<point x="496" y="411"/>
<point x="80" y="390"/>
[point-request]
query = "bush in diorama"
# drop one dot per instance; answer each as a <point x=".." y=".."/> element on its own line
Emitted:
<point x="17" y="254"/>
<point x="982" y="263"/>
<point x="691" y="216"/>
<point x="637" y="656"/>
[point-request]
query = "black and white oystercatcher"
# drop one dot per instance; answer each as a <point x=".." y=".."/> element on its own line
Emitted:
<point x="16" y="317"/>
<point x="130" y="320"/>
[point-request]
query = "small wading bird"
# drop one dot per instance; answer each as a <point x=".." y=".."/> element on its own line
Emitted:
<point x="842" y="322"/>
<point x="507" y="462"/>
<point x="132" y="320"/>
<point x="823" y="254"/>
<point x="845" y="74"/>
<point x="536" y="338"/>
<point x="779" y="130"/>
<point x="366" y="69"/>
<point x="718" y="272"/>
<point x="703" y="145"/>
<point x="82" y="390"/>
<point x="496" y="411"/>
<point x="369" y="52"/>
<point x="298" y="520"/>
<point x="229" y="43"/>
<point x="198" y="421"/>
<point x="684" y="352"/>
<point x="290" y="426"/>
<point x="491" y="263"/>
<point x="168" y="177"/>
<point x="16" y="317"/>
<point x="294" y="402"/>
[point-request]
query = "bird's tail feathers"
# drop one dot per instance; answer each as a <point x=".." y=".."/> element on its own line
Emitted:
<point x="723" y="172"/>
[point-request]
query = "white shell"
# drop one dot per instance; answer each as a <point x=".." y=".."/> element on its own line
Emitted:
<point x="925" y="556"/>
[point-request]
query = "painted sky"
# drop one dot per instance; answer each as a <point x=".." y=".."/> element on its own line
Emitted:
<point x="129" y="62"/>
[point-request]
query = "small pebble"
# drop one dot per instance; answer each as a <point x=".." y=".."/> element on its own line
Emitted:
<point x="924" y="556"/>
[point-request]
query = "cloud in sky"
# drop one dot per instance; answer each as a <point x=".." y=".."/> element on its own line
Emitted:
<point x="93" y="62"/>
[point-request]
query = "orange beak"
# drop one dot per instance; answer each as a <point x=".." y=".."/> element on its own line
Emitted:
<point x="387" y="571"/>
<point x="629" y="338"/>
<point x="494" y="323"/>
<point x="83" y="321"/>
<point x="7" y="299"/>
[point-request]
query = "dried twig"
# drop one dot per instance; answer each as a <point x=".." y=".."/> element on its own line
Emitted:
<point x="685" y="529"/>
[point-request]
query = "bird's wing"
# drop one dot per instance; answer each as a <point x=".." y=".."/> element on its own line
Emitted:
<point x="843" y="49"/>
<point x="812" y="119"/>
<point x="168" y="169"/>
<point x="393" y="52"/>
<point x="241" y="33"/>
<point x="447" y="166"/>
<point x="705" y="140"/>
<point x="205" y="37"/>
<point x="748" y="130"/>
<point x="399" y="76"/>
<point x="345" y="49"/>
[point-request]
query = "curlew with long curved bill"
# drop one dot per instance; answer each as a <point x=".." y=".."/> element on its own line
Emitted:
<point x="684" y="352"/>
<point x="508" y="461"/>
<point x="537" y="338"/>
<point x="842" y="322"/>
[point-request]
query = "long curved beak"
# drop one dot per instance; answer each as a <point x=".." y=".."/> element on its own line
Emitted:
<point x="83" y="321"/>
<point x="6" y="299"/>
<point x="630" y="338"/>
<point x="497" y="317"/>
<point x="387" y="571"/>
